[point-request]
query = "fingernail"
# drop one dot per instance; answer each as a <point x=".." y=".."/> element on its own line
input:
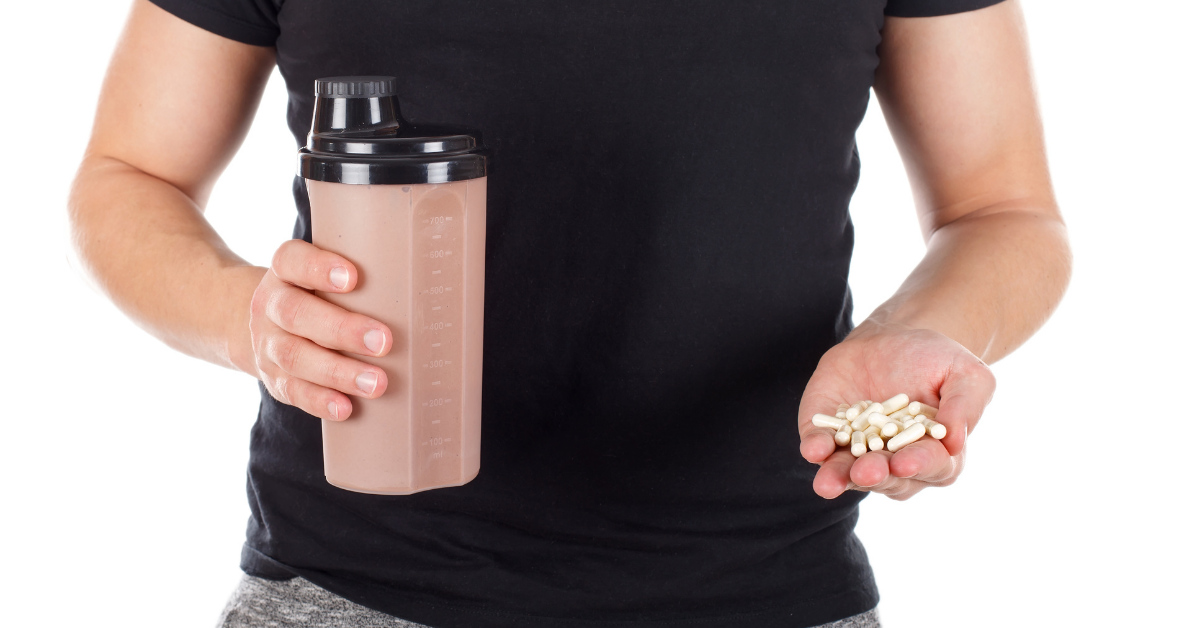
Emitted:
<point x="367" y="382"/>
<point x="333" y="410"/>
<point x="373" y="341"/>
<point x="339" y="277"/>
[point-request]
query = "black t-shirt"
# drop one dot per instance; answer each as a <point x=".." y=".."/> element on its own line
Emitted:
<point x="667" y="249"/>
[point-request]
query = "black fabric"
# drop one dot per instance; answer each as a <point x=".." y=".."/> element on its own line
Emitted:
<point x="930" y="8"/>
<point x="248" y="21"/>
<point x="668" y="244"/>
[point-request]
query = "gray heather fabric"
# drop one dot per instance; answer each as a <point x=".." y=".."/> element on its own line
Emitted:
<point x="298" y="603"/>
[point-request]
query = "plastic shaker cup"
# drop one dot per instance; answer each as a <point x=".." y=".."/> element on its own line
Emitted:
<point x="406" y="205"/>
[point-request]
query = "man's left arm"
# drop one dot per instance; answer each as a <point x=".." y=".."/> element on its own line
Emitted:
<point x="958" y="96"/>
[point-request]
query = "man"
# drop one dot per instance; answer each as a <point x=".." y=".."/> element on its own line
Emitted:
<point x="668" y="243"/>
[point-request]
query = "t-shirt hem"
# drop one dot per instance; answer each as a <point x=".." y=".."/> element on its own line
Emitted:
<point x="809" y="612"/>
<point x="934" y="8"/>
<point x="219" y="23"/>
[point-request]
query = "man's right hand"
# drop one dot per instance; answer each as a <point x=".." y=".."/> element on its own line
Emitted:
<point x="295" y="335"/>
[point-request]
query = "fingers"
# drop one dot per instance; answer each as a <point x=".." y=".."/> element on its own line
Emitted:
<point x="299" y="373"/>
<point x="872" y="473"/>
<point x="871" y="470"/>
<point x="816" y="444"/>
<point x="296" y="334"/>
<point x="897" y="475"/>
<point x="301" y="264"/>
<point x="925" y="461"/>
<point x="291" y="357"/>
<point x="966" y="391"/>
<point x="844" y="472"/>
<point x="315" y="400"/>
<point x="306" y="315"/>
<point x="833" y="478"/>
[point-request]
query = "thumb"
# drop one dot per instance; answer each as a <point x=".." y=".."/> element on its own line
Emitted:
<point x="965" y="392"/>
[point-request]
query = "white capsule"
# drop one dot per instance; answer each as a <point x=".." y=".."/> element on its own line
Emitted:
<point x="824" y="420"/>
<point x="841" y="414"/>
<point x="858" y="444"/>
<point x="861" y="421"/>
<point x="895" y="403"/>
<point x="891" y="429"/>
<point x="878" y="419"/>
<point x="917" y="407"/>
<point x="874" y="442"/>
<point x="853" y="411"/>
<point x="933" y="428"/>
<point x="907" y="437"/>
<point x="900" y="414"/>
<point x="870" y="429"/>
<point x="909" y="422"/>
<point x="842" y="437"/>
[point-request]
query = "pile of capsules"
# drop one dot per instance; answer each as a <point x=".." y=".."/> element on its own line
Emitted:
<point x="869" y="426"/>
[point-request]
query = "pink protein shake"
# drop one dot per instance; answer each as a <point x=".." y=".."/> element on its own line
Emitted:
<point x="407" y="206"/>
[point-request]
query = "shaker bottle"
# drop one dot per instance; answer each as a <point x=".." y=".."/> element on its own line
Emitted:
<point x="406" y="206"/>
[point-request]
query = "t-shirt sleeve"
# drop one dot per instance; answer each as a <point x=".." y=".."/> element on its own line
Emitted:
<point x="254" y="22"/>
<point x="930" y="8"/>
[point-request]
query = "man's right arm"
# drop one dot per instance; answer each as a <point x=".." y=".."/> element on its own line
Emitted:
<point x="176" y="103"/>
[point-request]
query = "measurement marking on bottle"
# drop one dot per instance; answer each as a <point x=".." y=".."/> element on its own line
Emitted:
<point x="435" y="303"/>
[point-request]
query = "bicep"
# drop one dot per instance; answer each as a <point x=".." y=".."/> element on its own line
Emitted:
<point x="177" y="100"/>
<point x="958" y="96"/>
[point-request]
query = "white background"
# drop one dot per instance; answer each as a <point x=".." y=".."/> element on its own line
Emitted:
<point x="124" y="462"/>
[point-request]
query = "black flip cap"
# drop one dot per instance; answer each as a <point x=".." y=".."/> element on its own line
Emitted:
<point x="359" y="137"/>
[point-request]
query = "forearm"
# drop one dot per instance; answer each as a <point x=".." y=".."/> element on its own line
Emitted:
<point x="989" y="280"/>
<point x="147" y="245"/>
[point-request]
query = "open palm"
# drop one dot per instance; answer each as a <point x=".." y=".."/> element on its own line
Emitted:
<point x="876" y="362"/>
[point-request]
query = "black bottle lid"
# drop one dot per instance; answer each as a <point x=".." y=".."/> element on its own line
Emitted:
<point x="356" y="87"/>
<point x="359" y="137"/>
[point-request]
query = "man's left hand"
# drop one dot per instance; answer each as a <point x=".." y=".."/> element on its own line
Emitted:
<point x="878" y="361"/>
